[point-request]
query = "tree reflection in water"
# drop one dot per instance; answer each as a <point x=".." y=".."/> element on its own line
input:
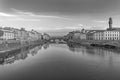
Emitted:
<point x="12" y="56"/>
<point x="45" y="46"/>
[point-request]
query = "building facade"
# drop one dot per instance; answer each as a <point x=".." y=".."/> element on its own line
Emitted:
<point x="18" y="34"/>
<point x="37" y="35"/>
<point x="7" y="35"/>
<point x="24" y="34"/>
<point x="111" y="35"/>
<point x="90" y="35"/>
<point x="98" y="35"/>
<point x="104" y="35"/>
<point x="79" y="35"/>
<point x="46" y="36"/>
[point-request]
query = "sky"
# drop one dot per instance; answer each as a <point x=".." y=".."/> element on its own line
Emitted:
<point x="59" y="16"/>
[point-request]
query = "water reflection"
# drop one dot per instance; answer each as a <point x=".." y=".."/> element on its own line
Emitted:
<point x="11" y="57"/>
<point x="108" y="57"/>
<point x="45" y="46"/>
<point x="54" y="61"/>
<point x="93" y="50"/>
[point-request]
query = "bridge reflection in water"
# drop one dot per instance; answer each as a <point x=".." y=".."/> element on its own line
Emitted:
<point x="57" y="40"/>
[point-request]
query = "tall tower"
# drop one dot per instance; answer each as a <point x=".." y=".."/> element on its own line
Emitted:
<point x="110" y="23"/>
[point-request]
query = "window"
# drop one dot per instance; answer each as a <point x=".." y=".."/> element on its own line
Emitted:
<point x="116" y="38"/>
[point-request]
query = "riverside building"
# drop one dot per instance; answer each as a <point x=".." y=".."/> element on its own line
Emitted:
<point x="79" y="35"/>
<point x="7" y="34"/>
<point x="109" y="34"/>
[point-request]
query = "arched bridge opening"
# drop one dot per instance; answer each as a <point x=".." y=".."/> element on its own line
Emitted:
<point x="57" y="40"/>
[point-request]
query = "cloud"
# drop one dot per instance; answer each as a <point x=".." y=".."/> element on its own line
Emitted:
<point x="72" y="27"/>
<point x="99" y="21"/>
<point x="22" y="19"/>
<point x="31" y="14"/>
<point x="62" y="28"/>
<point x="21" y="15"/>
<point x="80" y="25"/>
<point x="6" y="15"/>
<point x="20" y="12"/>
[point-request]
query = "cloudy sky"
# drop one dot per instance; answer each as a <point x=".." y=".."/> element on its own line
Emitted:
<point x="59" y="15"/>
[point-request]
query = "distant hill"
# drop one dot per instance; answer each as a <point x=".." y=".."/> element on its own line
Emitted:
<point x="57" y="32"/>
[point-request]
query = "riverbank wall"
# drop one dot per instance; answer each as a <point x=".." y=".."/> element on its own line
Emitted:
<point x="11" y="45"/>
<point x="97" y="43"/>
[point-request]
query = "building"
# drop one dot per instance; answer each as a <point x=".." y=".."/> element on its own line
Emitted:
<point x="46" y="36"/>
<point x="37" y="35"/>
<point x="18" y="34"/>
<point x="103" y="35"/>
<point x="24" y="34"/>
<point x="34" y="35"/>
<point x="83" y="31"/>
<point x="90" y="35"/>
<point x="31" y="36"/>
<point x="83" y="36"/>
<point x="111" y="35"/>
<point x="108" y="34"/>
<point x="79" y="35"/>
<point x="110" y="23"/>
<point x="7" y="34"/>
<point x="70" y="35"/>
<point x="98" y="35"/>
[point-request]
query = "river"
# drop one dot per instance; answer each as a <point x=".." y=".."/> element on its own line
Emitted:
<point x="61" y="62"/>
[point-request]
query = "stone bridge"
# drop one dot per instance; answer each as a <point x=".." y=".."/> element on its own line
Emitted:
<point x="57" y="39"/>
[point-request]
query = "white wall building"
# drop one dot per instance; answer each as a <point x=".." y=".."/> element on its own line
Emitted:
<point x="106" y="35"/>
<point x="7" y="34"/>
<point x="37" y="35"/>
<point x="111" y="35"/>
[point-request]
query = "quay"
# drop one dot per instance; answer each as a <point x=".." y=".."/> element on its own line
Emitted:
<point x="9" y="46"/>
<point x="109" y="37"/>
<point x="97" y="43"/>
<point x="13" y="38"/>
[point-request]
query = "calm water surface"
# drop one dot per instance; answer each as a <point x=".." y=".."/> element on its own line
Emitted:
<point x="60" y="62"/>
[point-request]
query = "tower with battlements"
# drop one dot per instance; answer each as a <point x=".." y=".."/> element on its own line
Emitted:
<point x="110" y="23"/>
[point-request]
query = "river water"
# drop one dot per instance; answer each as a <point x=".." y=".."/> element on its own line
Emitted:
<point x="60" y="62"/>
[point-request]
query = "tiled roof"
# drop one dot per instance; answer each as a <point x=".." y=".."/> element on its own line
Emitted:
<point x="114" y="29"/>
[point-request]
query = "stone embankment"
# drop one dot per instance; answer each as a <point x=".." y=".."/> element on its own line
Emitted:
<point x="98" y="43"/>
<point x="10" y="45"/>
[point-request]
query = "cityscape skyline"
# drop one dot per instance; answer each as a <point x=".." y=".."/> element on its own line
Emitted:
<point x="59" y="15"/>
